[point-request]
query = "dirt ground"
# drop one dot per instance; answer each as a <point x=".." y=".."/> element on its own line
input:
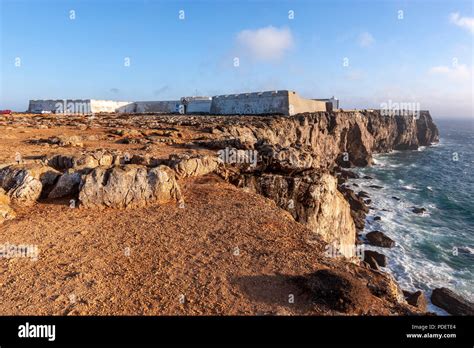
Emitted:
<point x="227" y="251"/>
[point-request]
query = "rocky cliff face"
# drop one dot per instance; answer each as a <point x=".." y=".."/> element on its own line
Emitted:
<point x="312" y="199"/>
<point x="295" y="160"/>
<point x="298" y="154"/>
<point x="344" y="138"/>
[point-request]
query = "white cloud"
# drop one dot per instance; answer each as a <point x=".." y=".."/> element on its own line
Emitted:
<point x="457" y="72"/>
<point x="365" y="39"/>
<point x="265" y="44"/>
<point x="463" y="22"/>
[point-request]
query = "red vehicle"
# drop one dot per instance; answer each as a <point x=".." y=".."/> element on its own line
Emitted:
<point x="5" y="112"/>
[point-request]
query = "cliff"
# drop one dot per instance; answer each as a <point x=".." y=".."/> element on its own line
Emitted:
<point x="299" y="156"/>
<point x="286" y="209"/>
<point x="327" y="137"/>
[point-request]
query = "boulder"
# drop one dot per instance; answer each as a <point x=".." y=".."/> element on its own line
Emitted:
<point x="418" y="210"/>
<point x="372" y="257"/>
<point x="186" y="166"/>
<point x="66" y="140"/>
<point x="359" y="208"/>
<point x="417" y="299"/>
<point x="451" y="302"/>
<point x="67" y="185"/>
<point x="348" y="174"/>
<point x="128" y="186"/>
<point x="356" y="203"/>
<point x="25" y="183"/>
<point x="378" y="238"/>
<point x="85" y="160"/>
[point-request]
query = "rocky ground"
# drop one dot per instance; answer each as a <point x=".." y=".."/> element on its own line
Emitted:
<point x="173" y="214"/>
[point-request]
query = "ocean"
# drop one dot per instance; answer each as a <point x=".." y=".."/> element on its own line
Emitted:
<point x="434" y="249"/>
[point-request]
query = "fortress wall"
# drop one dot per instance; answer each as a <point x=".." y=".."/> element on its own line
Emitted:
<point x="300" y="105"/>
<point x="106" y="105"/>
<point x="274" y="102"/>
<point x="127" y="109"/>
<point x="66" y="106"/>
<point x="154" y="106"/>
<point x="199" y="106"/>
<point x="42" y="105"/>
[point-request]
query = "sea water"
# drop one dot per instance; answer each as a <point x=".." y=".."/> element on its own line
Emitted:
<point x="434" y="249"/>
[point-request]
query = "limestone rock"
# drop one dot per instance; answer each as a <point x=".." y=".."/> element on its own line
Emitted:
<point x="378" y="238"/>
<point x="285" y="160"/>
<point x="374" y="258"/>
<point x="345" y="138"/>
<point x="417" y="299"/>
<point x="128" y="186"/>
<point x="24" y="184"/>
<point x="451" y="302"/>
<point x="68" y="184"/>
<point x="312" y="200"/>
<point x="67" y="140"/>
<point x="418" y="210"/>
<point x="358" y="206"/>
<point x="86" y="160"/>
<point x="186" y="166"/>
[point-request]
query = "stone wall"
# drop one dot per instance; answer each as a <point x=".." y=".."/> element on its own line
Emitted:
<point x="169" y="106"/>
<point x="75" y="106"/>
<point x="273" y="102"/>
<point x="298" y="105"/>
<point x="199" y="106"/>
<point x="66" y="106"/>
<point x="107" y="105"/>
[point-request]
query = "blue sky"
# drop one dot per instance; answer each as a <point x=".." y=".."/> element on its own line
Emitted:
<point x="423" y="54"/>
